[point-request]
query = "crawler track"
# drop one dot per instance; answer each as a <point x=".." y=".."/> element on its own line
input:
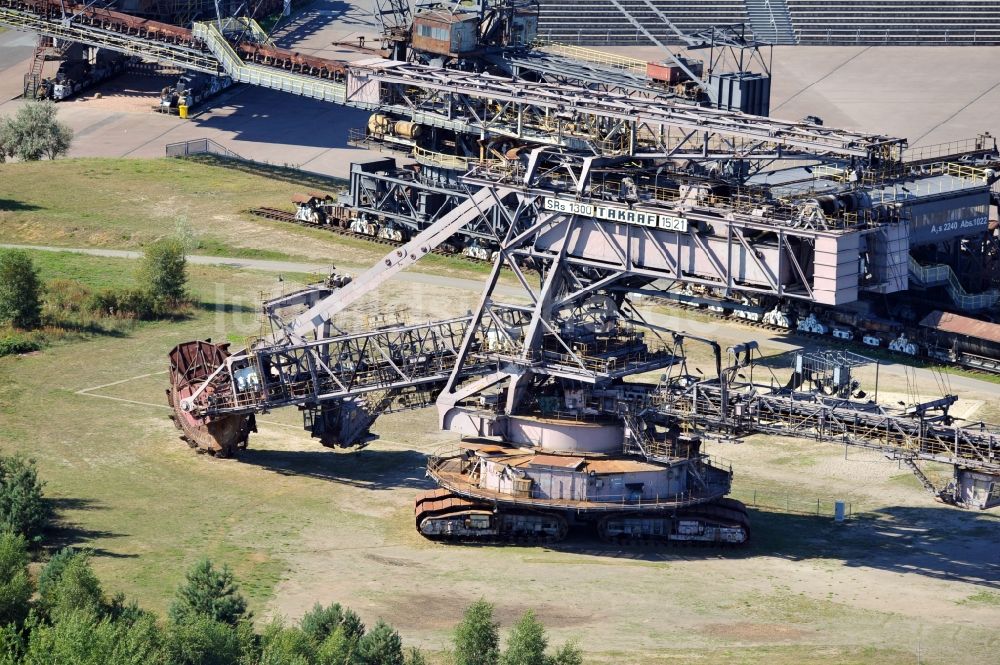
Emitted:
<point x="447" y="517"/>
<point x="911" y="332"/>
<point x="285" y="216"/>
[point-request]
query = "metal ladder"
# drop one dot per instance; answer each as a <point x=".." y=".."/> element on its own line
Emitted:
<point x="43" y="47"/>
<point x="924" y="480"/>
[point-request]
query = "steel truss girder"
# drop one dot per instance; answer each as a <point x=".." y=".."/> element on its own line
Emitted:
<point x="563" y="114"/>
<point x="392" y="197"/>
<point x="133" y="45"/>
<point x="514" y="108"/>
<point x="895" y="435"/>
<point x="526" y="338"/>
<point x="335" y="368"/>
<point x="625" y="256"/>
<point x="557" y="70"/>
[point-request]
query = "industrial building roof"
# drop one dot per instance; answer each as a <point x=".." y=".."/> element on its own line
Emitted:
<point x="445" y="16"/>
<point x="962" y="325"/>
<point x="556" y="461"/>
<point x="620" y="466"/>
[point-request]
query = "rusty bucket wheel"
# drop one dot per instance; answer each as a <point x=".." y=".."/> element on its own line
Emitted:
<point x="191" y="364"/>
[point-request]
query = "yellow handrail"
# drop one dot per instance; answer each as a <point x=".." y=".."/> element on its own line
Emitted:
<point x="595" y="56"/>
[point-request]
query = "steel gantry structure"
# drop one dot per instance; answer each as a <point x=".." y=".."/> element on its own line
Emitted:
<point x="479" y="104"/>
<point x="572" y="327"/>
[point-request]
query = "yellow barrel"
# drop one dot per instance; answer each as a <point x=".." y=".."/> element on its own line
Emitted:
<point x="182" y="110"/>
<point x="407" y="129"/>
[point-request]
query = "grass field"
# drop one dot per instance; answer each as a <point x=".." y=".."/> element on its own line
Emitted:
<point x="127" y="203"/>
<point x="302" y="524"/>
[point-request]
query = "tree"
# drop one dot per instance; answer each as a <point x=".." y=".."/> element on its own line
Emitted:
<point x="15" y="583"/>
<point x="53" y="570"/>
<point x="164" y="270"/>
<point x="477" y="636"/>
<point x="381" y="646"/>
<point x="527" y="642"/>
<point x="11" y="645"/>
<point x="320" y="622"/>
<point x="281" y="645"/>
<point x="20" y="290"/>
<point x="415" y="657"/>
<point x="568" y="654"/>
<point x="201" y="640"/>
<point x="336" y="649"/>
<point x="5" y="141"/>
<point x="72" y="587"/>
<point x="23" y="508"/>
<point x="211" y="593"/>
<point x="34" y="132"/>
<point x="81" y="638"/>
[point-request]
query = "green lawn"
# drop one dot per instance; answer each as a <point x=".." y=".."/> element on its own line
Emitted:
<point x="300" y="523"/>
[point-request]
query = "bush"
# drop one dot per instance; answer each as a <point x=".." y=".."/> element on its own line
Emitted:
<point x="568" y="654"/>
<point x="15" y="583"/>
<point x="20" y="290"/>
<point x="23" y="508"/>
<point x="164" y="270"/>
<point x="211" y="593"/>
<point x="34" y="133"/>
<point x="14" y="343"/>
<point x="125" y="303"/>
<point x="68" y="296"/>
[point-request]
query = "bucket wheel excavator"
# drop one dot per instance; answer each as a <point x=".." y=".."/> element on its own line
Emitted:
<point x="557" y="431"/>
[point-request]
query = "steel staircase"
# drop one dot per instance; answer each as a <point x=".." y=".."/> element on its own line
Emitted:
<point x="43" y="48"/>
<point x="924" y="480"/>
<point x="942" y="275"/>
<point x="771" y="21"/>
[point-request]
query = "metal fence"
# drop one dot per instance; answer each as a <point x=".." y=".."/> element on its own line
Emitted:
<point x="199" y="147"/>
<point x="789" y="503"/>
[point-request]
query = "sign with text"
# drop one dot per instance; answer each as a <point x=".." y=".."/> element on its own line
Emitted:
<point x="616" y="214"/>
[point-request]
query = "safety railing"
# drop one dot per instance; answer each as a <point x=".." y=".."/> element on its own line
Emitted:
<point x="454" y="162"/>
<point x="942" y="274"/>
<point x="593" y="55"/>
<point x="266" y="77"/>
<point x="951" y="149"/>
<point x="174" y="54"/>
<point x="447" y="470"/>
<point x="199" y="147"/>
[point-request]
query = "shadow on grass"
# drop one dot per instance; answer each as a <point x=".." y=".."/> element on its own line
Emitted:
<point x="370" y="469"/>
<point x="88" y="328"/>
<point x="931" y="541"/>
<point x="64" y="533"/>
<point x="228" y="307"/>
<point x="285" y="174"/>
<point x="10" y="205"/>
